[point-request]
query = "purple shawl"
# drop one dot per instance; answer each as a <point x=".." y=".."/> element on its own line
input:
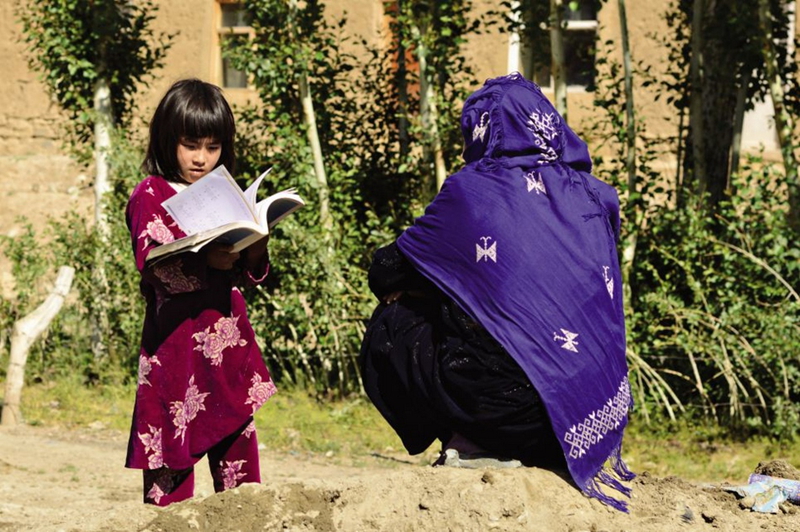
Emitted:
<point x="524" y="239"/>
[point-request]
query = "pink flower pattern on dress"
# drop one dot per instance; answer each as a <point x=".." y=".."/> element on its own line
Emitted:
<point x="250" y="430"/>
<point x="232" y="473"/>
<point x="164" y="483"/>
<point x="227" y="330"/>
<point x="145" y="367"/>
<point x="185" y="411"/>
<point x="226" y="334"/>
<point x="175" y="281"/>
<point x="156" y="231"/>
<point x="259" y="392"/>
<point x="155" y="493"/>
<point x="211" y="345"/>
<point x="152" y="447"/>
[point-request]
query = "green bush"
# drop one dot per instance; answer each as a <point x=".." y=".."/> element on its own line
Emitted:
<point x="716" y="307"/>
<point x="66" y="347"/>
<point x="711" y="294"/>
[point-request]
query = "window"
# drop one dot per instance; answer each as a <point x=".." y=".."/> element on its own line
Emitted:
<point x="580" y="35"/>
<point x="234" y="24"/>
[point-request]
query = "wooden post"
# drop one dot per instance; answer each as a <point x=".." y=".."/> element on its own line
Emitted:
<point x="25" y="333"/>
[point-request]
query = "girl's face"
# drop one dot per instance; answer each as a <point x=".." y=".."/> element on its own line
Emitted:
<point x="197" y="157"/>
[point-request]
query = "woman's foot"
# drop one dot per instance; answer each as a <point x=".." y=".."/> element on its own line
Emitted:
<point x="461" y="452"/>
<point x="463" y="445"/>
<point x="452" y="458"/>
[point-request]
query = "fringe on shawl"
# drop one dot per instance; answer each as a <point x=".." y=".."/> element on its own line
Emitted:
<point x="604" y="476"/>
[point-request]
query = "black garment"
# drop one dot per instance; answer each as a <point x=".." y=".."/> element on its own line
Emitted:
<point x="432" y="371"/>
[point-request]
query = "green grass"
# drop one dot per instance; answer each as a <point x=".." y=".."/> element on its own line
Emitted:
<point x="351" y="431"/>
<point x="701" y="454"/>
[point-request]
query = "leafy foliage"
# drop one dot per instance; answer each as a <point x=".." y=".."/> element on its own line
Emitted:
<point x="716" y="309"/>
<point x="75" y="43"/>
<point x="312" y="315"/>
<point x="713" y="320"/>
<point x="66" y="347"/>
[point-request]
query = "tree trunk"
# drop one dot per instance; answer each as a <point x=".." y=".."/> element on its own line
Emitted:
<point x="312" y="134"/>
<point x="558" y="70"/>
<point x="25" y="333"/>
<point x="783" y="120"/>
<point x="514" y="46"/>
<point x="402" y="92"/>
<point x="716" y="64"/>
<point x="680" y="155"/>
<point x="316" y="149"/>
<point x="719" y="109"/>
<point x="629" y="246"/>
<point x="696" y="99"/>
<point x="630" y="162"/>
<point x="102" y="148"/>
<point x="738" y="124"/>
<point x="428" y="108"/>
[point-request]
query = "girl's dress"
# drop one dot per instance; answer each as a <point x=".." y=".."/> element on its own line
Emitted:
<point x="201" y="373"/>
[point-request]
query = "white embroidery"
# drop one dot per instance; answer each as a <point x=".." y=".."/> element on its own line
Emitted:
<point x="486" y="252"/>
<point x="545" y="124"/>
<point x="480" y="129"/>
<point x="568" y="339"/>
<point x="544" y="128"/>
<point x="609" y="282"/>
<point x="596" y="425"/>
<point x="536" y="183"/>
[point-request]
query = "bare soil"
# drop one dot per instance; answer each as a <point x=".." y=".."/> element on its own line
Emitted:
<point x="66" y="480"/>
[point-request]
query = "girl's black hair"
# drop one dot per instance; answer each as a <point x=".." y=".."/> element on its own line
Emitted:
<point x="193" y="109"/>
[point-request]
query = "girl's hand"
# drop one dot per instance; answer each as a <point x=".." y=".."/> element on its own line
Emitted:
<point x="220" y="257"/>
<point x="256" y="252"/>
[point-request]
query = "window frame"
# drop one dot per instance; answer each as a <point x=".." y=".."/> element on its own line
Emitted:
<point x="570" y="25"/>
<point x="220" y="33"/>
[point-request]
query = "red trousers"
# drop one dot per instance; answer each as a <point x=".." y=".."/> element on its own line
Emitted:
<point x="232" y="462"/>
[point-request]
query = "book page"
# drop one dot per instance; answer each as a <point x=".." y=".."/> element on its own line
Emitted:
<point x="213" y="200"/>
<point x="251" y="193"/>
<point x="278" y="206"/>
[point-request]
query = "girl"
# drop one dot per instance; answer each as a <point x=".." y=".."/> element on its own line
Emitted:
<point x="201" y="374"/>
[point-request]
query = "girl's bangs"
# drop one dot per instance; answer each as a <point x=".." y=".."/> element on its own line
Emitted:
<point x="205" y="123"/>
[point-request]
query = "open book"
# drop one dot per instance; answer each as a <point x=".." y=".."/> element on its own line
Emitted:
<point x="215" y="208"/>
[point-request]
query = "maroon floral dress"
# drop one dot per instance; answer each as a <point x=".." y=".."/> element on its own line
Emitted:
<point x="201" y="373"/>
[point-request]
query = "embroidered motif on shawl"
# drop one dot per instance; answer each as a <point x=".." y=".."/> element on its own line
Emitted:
<point x="524" y="239"/>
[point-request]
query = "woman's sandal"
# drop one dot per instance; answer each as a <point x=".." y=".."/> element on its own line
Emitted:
<point x="479" y="460"/>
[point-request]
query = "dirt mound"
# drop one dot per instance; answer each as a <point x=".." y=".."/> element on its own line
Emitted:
<point x="65" y="481"/>
<point x="428" y="499"/>
<point x="778" y="468"/>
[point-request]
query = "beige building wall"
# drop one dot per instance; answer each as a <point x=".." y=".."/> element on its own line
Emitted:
<point x="28" y="120"/>
<point x="33" y="165"/>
